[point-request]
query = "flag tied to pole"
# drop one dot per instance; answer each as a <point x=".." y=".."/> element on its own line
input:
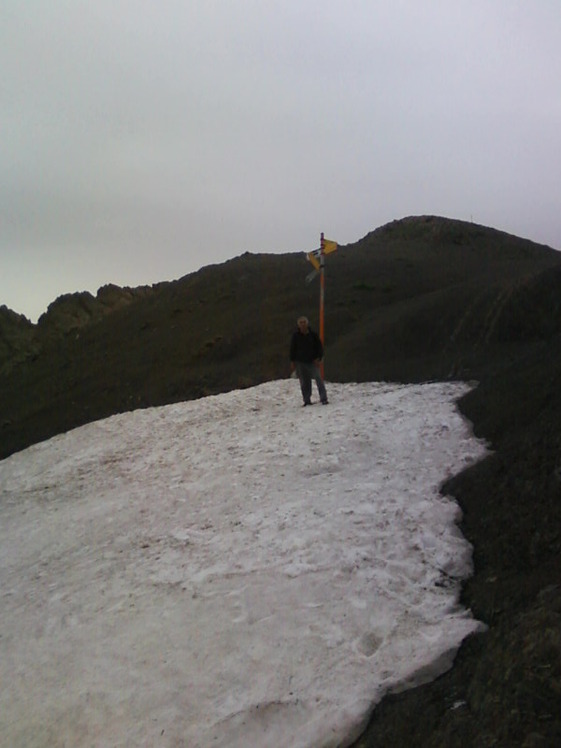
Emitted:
<point x="316" y="257"/>
<point x="327" y="247"/>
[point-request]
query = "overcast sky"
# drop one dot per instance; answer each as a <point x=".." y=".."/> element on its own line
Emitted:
<point x="143" y="139"/>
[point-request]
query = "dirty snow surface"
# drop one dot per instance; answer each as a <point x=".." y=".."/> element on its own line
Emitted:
<point x="233" y="571"/>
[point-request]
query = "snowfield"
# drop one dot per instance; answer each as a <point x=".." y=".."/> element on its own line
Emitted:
<point x="232" y="571"/>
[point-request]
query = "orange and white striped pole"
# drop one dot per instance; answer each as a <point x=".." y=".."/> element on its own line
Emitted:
<point x="322" y="295"/>
<point x="317" y="258"/>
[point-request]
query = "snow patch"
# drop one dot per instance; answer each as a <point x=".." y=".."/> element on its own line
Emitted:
<point x="236" y="570"/>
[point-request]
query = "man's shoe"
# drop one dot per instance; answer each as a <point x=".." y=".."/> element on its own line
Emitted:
<point x="325" y="402"/>
<point x="306" y="402"/>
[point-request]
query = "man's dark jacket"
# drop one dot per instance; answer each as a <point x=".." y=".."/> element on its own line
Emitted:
<point x="305" y="348"/>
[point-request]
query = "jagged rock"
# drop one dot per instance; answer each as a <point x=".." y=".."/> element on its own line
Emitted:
<point x="17" y="337"/>
<point x="68" y="312"/>
<point x="20" y="339"/>
<point x="115" y="297"/>
<point x="72" y="311"/>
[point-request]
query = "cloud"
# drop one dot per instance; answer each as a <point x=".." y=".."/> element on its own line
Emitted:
<point x="159" y="137"/>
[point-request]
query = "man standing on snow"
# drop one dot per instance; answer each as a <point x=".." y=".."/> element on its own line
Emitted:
<point x="306" y="353"/>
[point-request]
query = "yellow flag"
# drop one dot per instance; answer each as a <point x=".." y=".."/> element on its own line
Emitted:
<point x="329" y="246"/>
<point x="311" y="257"/>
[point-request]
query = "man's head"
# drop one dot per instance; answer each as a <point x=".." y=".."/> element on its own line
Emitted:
<point x="302" y="323"/>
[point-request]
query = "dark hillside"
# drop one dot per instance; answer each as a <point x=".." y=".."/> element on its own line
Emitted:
<point x="421" y="298"/>
<point x="505" y="687"/>
<point x="16" y="336"/>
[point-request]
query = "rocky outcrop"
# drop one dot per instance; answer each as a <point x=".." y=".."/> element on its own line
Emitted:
<point x="72" y="311"/>
<point x="20" y="339"/>
<point x="17" y="337"/>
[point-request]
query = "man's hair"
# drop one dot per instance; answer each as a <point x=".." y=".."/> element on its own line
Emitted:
<point x="303" y="319"/>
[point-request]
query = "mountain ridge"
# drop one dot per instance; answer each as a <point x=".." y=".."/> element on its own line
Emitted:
<point x="422" y="298"/>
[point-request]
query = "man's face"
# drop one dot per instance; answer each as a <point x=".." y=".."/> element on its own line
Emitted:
<point x="303" y="325"/>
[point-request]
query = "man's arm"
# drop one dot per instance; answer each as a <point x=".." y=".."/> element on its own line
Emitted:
<point x="292" y="352"/>
<point x="318" y="349"/>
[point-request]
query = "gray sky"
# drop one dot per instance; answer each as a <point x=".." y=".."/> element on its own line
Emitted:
<point x="143" y="139"/>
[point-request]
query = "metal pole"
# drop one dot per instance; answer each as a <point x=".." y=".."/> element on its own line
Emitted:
<point x="322" y="294"/>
